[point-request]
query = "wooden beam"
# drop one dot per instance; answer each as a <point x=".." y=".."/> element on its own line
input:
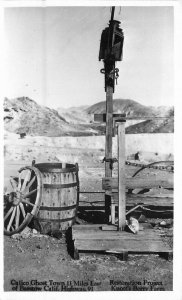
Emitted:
<point x="132" y="245"/>
<point x="134" y="199"/>
<point x="109" y="129"/>
<point x="109" y="183"/>
<point x="102" y="117"/>
<point x="108" y="143"/>
<point x="121" y="177"/>
<point x="146" y="200"/>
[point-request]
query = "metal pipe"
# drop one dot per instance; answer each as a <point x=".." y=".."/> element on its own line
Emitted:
<point x="112" y="13"/>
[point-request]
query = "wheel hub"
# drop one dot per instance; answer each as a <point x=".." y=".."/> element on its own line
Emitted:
<point x="15" y="198"/>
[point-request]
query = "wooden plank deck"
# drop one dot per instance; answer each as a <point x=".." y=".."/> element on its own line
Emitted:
<point x="93" y="239"/>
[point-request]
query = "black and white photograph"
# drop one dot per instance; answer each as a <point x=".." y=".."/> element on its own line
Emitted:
<point x="89" y="148"/>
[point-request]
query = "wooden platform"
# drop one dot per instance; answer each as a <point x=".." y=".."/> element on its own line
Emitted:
<point x="99" y="238"/>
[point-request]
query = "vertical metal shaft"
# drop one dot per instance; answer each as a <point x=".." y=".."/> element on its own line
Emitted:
<point x="112" y="13"/>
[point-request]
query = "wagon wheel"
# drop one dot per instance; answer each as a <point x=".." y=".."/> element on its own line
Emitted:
<point x="23" y="201"/>
<point x="171" y="163"/>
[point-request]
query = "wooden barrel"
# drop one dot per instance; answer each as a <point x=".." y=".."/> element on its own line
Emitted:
<point x="60" y="196"/>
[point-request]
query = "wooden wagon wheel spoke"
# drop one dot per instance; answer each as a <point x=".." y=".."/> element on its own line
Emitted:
<point x="19" y="181"/>
<point x="8" y="213"/>
<point x="26" y="179"/>
<point x="23" y="210"/>
<point x="11" y="219"/>
<point x="30" y="193"/>
<point x="27" y="202"/>
<point x="13" y="184"/>
<point x="31" y="182"/>
<point x="17" y="217"/>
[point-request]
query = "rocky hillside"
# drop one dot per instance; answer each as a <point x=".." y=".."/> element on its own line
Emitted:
<point x="76" y="115"/>
<point x="23" y="115"/>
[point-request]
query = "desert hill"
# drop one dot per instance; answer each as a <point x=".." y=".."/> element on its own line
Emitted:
<point x="25" y="115"/>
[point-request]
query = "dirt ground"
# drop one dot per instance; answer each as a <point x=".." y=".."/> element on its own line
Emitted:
<point x="42" y="263"/>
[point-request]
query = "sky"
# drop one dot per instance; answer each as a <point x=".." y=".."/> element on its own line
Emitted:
<point x="52" y="54"/>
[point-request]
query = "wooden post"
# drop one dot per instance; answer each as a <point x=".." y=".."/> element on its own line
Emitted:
<point x="121" y="177"/>
<point x="108" y="144"/>
<point x="109" y="126"/>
